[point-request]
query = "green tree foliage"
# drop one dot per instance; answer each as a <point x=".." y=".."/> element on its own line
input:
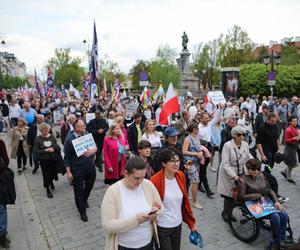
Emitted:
<point x="110" y="70"/>
<point x="253" y="80"/>
<point x="235" y="48"/>
<point x="9" y="82"/>
<point x="62" y="57"/>
<point x="135" y="71"/>
<point x="67" y="73"/>
<point x="290" y="55"/>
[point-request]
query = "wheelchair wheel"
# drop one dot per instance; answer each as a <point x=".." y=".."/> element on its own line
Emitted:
<point x="243" y="224"/>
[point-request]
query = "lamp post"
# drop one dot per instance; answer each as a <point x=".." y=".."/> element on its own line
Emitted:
<point x="271" y="74"/>
<point x="1" y="78"/>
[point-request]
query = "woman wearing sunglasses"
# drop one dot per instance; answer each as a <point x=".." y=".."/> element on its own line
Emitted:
<point x="235" y="154"/>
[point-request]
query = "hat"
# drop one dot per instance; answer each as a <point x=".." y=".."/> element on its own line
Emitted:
<point x="170" y="131"/>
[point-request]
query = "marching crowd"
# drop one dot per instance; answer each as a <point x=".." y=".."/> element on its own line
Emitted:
<point x="154" y="171"/>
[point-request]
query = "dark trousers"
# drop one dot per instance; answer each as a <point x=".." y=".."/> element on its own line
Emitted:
<point x="203" y="174"/>
<point x="98" y="161"/>
<point x="83" y="186"/>
<point x="21" y="155"/>
<point x="49" y="172"/>
<point x="33" y="158"/>
<point x="169" y="238"/>
<point x="14" y="122"/>
<point x="270" y="154"/>
<point x="228" y="202"/>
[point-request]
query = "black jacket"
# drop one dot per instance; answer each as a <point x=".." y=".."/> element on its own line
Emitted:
<point x="259" y="121"/>
<point x="7" y="186"/>
<point x="133" y="137"/>
<point x="225" y="137"/>
<point x="93" y="127"/>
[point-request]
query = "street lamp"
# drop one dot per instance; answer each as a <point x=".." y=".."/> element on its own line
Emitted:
<point x="1" y="78"/>
<point x="271" y="74"/>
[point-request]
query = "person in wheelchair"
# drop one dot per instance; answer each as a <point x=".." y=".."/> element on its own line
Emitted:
<point x="254" y="186"/>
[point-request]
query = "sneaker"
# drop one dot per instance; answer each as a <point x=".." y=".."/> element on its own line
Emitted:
<point x="201" y="189"/>
<point x="209" y="193"/>
<point x="291" y="181"/>
<point x="282" y="199"/>
<point x="24" y="168"/>
<point x="212" y="169"/>
<point x="19" y="171"/>
<point x="197" y="205"/>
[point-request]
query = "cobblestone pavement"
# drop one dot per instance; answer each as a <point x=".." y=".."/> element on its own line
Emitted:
<point x="55" y="223"/>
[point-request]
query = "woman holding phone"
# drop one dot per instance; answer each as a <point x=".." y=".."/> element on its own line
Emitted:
<point x="171" y="185"/>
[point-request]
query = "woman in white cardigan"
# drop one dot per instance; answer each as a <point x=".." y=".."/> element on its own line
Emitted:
<point x="235" y="154"/>
<point x="129" y="210"/>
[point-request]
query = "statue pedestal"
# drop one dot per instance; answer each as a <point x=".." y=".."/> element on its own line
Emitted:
<point x="188" y="81"/>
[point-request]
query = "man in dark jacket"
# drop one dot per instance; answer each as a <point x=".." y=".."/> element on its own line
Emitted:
<point x="98" y="128"/>
<point x="33" y="132"/>
<point x="260" y="119"/>
<point x="80" y="169"/>
<point x="135" y="132"/>
<point x="7" y="196"/>
<point x="226" y="133"/>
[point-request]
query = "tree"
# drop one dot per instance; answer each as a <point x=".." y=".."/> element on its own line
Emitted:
<point x="290" y="54"/>
<point x="9" y="82"/>
<point x="236" y="48"/>
<point x="62" y="58"/>
<point x="163" y="68"/>
<point x="110" y="70"/>
<point x="135" y="71"/>
<point x="67" y="73"/>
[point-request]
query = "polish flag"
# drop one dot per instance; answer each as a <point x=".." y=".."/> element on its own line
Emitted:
<point x="171" y="105"/>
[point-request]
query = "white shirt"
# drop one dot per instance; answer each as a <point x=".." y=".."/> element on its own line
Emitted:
<point x="154" y="139"/>
<point x="14" y="111"/>
<point x="134" y="202"/>
<point x="205" y="130"/>
<point x="171" y="215"/>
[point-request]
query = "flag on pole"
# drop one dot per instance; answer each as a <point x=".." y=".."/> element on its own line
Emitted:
<point x="75" y="91"/>
<point x="104" y="87"/>
<point x="159" y="92"/>
<point x="94" y="91"/>
<point x="94" y="69"/>
<point x="146" y="92"/>
<point x="116" y="89"/>
<point x="170" y="106"/>
<point x="49" y="81"/>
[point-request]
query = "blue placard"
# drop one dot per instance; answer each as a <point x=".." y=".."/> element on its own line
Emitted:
<point x="261" y="209"/>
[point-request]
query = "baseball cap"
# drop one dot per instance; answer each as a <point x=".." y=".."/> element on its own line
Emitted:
<point x="170" y="131"/>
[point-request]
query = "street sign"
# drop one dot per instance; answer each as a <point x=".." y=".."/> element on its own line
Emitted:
<point x="272" y="76"/>
<point x="271" y="82"/>
<point x="144" y="83"/>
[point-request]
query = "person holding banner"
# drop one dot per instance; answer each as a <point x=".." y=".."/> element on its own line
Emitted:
<point x="80" y="169"/>
<point x="98" y="128"/>
<point x="255" y="187"/>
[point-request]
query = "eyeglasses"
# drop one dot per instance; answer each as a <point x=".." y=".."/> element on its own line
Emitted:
<point x="175" y="162"/>
<point x="239" y="135"/>
<point x="253" y="170"/>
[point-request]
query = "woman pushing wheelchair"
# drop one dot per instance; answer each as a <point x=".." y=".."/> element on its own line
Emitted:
<point x="254" y="186"/>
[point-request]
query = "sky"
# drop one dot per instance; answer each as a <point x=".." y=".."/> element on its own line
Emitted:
<point x="129" y="30"/>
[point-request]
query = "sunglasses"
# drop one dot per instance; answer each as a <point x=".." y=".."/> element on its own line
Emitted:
<point x="239" y="135"/>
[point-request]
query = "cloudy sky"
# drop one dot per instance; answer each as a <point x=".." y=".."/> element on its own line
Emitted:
<point x="129" y="30"/>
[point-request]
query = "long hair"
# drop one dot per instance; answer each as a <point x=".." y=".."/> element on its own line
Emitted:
<point x="146" y="128"/>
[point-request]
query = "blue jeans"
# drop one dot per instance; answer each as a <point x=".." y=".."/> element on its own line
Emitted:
<point x="279" y="223"/>
<point x="1" y="126"/>
<point x="3" y="219"/>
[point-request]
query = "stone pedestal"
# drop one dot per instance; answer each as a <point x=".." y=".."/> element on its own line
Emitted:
<point x="188" y="81"/>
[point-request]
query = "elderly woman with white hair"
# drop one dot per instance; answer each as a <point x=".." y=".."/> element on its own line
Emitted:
<point x="48" y="151"/>
<point x="235" y="154"/>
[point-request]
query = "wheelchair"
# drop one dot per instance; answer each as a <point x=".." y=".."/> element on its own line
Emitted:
<point x="247" y="228"/>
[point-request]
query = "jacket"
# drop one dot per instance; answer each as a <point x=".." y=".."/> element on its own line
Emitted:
<point x="7" y="186"/>
<point x="15" y="138"/>
<point x="111" y="157"/>
<point x="159" y="182"/>
<point x="110" y="212"/>
<point x="133" y="137"/>
<point x="228" y="167"/>
<point x="3" y="152"/>
<point x="93" y="127"/>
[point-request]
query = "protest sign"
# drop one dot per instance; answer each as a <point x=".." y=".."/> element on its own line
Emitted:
<point x="131" y="107"/>
<point x="216" y="97"/>
<point x="83" y="143"/>
<point x="89" y="117"/>
<point x="259" y="209"/>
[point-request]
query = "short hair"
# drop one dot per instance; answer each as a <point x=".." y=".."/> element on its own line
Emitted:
<point x="137" y="115"/>
<point x="238" y="130"/>
<point x="40" y="116"/>
<point x="144" y="144"/>
<point x="135" y="163"/>
<point x="76" y="122"/>
<point x="271" y="115"/>
<point x="167" y="154"/>
<point x="192" y="125"/>
<point x="253" y="164"/>
<point x="291" y="118"/>
<point x="44" y="125"/>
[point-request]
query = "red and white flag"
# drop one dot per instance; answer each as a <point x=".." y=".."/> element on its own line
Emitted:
<point x="171" y="105"/>
<point x="146" y="93"/>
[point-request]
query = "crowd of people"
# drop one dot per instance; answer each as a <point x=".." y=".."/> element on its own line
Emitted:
<point x="152" y="168"/>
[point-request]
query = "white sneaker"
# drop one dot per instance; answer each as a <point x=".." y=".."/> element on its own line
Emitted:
<point x="213" y="169"/>
<point x="197" y="205"/>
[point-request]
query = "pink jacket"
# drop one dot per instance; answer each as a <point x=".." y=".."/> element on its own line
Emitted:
<point x="111" y="157"/>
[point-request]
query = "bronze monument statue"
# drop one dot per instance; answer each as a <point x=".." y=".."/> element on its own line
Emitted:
<point x="185" y="40"/>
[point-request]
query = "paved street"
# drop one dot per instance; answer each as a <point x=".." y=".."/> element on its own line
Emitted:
<point x="37" y="222"/>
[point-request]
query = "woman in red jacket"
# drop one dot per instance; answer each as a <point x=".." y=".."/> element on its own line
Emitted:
<point x="171" y="185"/>
<point x="292" y="138"/>
<point x="115" y="150"/>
